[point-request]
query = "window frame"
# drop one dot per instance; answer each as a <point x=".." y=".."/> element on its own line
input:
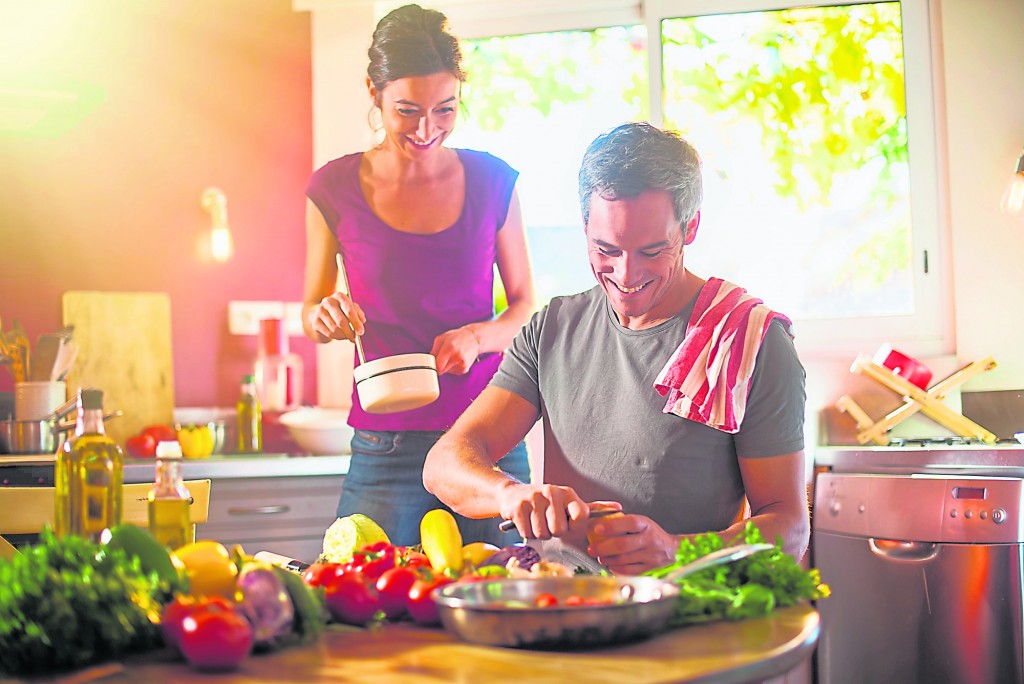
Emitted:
<point x="929" y="330"/>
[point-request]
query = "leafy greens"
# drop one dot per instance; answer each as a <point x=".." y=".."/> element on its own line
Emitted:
<point x="68" y="602"/>
<point x="748" y="587"/>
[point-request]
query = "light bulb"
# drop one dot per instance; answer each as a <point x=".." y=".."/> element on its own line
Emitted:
<point x="1013" y="199"/>
<point x="215" y="202"/>
<point x="220" y="243"/>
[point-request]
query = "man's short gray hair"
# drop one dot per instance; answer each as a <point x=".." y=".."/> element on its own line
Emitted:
<point x="636" y="157"/>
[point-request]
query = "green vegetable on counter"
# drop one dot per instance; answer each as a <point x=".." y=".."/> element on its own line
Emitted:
<point x="69" y="602"/>
<point x="748" y="587"/>
<point x="310" y="610"/>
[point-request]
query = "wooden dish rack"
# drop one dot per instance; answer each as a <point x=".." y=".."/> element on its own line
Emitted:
<point x="915" y="400"/>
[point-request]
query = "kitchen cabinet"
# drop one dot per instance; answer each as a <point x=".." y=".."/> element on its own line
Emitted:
<point x="265" y="502"/>
<point x="286" y="515"/>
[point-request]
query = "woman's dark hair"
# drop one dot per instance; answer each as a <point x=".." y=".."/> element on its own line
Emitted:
<point x="412" y="41"/>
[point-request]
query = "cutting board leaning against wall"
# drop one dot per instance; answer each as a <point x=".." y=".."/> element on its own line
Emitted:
<point x="124" y="343"/>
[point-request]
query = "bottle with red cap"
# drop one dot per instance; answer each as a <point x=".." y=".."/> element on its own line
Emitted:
<point x="278" y="372"/>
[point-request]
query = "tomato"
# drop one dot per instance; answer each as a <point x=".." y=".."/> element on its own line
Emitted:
<point x="184" y="606"/>
<point x="393" y="589"/>
<point x="171" y="617"/>
<point x="215" y="636"/>
<point x="414" y="559"/>
<point x="374" y="566"/>
<point x="352" y="598"/>
<point x="318" y="574"/>
<point x="379" y="547"/>
<point x="488" y="572"/>
<point x="161" y="433"/>
<point x="471" y="577"/>
<point x="422" y="608"/>
<point x="545" y="600"/>
<point x="141" y="445"/>
<point x="574" y="600"/>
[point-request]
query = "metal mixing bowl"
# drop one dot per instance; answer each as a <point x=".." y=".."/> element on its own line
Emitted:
<point x="503" y="612"/>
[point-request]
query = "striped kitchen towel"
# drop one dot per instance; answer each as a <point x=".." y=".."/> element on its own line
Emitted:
<point x="707" y="379"/>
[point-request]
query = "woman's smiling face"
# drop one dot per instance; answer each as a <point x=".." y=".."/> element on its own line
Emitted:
<point x="636" y="253"/>
<point x="418" y="112"/>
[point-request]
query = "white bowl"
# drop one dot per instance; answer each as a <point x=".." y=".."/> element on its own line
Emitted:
<point x="396" y="383"/>
<point x="320" y="431"/>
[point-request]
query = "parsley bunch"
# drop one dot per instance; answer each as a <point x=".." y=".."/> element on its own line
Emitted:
<point x="68" y="602"/>
<point x="747" y="587"/>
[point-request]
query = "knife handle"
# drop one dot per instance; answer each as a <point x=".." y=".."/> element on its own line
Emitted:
<point x="508" y="525"/>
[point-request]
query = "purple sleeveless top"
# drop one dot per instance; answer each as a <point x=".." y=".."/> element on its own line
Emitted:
<point x="413" y="287"/>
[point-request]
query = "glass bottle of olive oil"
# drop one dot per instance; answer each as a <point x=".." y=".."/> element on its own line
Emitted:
<point x="88" y="474"/>
<point x="250" y="418"/>
<point x="169" y="500"/>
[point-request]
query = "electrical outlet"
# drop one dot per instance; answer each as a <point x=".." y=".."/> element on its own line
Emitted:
<point x="244" y="317"/>
<point x="293" y="319"/>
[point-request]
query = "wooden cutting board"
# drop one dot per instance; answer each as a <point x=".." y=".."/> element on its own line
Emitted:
<point x="124" y="341"/>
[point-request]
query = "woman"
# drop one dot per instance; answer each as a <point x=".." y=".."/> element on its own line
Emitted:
<point x="419" y="226"/>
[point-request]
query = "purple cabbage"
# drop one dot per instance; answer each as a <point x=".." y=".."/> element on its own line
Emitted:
<point x="264" y="601"/>
<point x="526" y="555"/>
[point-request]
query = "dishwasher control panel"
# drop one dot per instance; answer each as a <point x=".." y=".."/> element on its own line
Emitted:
<point x="936" y="508"/>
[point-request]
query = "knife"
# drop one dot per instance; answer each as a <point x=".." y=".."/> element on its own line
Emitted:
<point x="285" y="562"/>
<point x="508" y="525"/>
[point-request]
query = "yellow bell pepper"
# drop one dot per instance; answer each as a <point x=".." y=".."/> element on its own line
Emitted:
<point x="196" y="441"/>
<point x="441" y="540"/>
<point x="476" y="553"/>
<point x="210" y="568"/>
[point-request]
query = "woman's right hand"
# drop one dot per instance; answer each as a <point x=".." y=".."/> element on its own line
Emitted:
<point x="337" y="317"/>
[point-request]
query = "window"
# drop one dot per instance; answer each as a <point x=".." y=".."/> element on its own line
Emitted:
<point x="560" y="90"/>
<point x="816" y="126"/>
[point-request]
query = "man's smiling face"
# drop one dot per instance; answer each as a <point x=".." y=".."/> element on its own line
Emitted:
<point x="636" y="253"/>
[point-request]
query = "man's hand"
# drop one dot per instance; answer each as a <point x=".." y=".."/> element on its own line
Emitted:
<point x="543" y="511"/>
<point x="630" y="544"/>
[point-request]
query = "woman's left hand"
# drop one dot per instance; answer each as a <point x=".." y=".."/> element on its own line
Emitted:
<point x="456" y="350"/>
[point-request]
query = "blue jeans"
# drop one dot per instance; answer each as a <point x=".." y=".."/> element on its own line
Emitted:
<point x="385" y="482"/>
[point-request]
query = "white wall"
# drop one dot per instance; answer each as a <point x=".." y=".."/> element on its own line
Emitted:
<point x="984" y="69"/>
<point x="982" y="73"/>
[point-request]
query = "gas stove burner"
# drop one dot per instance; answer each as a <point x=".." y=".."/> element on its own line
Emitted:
<point x="929" y="441"/>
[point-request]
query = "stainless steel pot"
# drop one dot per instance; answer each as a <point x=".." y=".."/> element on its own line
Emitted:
<point x="37" y="436"/>
<point x="28" y="436"/>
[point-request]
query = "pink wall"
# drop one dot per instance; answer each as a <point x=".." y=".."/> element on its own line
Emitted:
<point x="193" y="93"/>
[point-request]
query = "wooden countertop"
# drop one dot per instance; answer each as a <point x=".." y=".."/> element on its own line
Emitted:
<point x="721" y="652"/>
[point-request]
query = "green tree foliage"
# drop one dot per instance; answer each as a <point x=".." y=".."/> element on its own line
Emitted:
<point x="543" y="71"/>
<point x="825" y="84"/>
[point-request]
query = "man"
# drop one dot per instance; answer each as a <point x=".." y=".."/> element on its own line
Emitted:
<point x="588" y="364"/>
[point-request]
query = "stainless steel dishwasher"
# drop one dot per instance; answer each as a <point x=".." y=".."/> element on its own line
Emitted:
<point x="926" y="578"/>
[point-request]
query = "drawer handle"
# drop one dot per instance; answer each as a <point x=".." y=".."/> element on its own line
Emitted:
<point x="259" y="510"/>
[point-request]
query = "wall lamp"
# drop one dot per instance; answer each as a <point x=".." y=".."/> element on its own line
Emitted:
<point x="1013" y="198"/>
<point x="216" y="202"/>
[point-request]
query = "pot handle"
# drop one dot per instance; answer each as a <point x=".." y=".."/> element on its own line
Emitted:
<point x="70" y="424"/>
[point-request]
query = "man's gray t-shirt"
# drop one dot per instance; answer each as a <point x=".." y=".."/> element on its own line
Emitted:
<point x="605" y="434"/>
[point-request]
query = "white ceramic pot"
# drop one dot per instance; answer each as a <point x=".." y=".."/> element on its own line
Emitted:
<point x="396" y="383"/>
